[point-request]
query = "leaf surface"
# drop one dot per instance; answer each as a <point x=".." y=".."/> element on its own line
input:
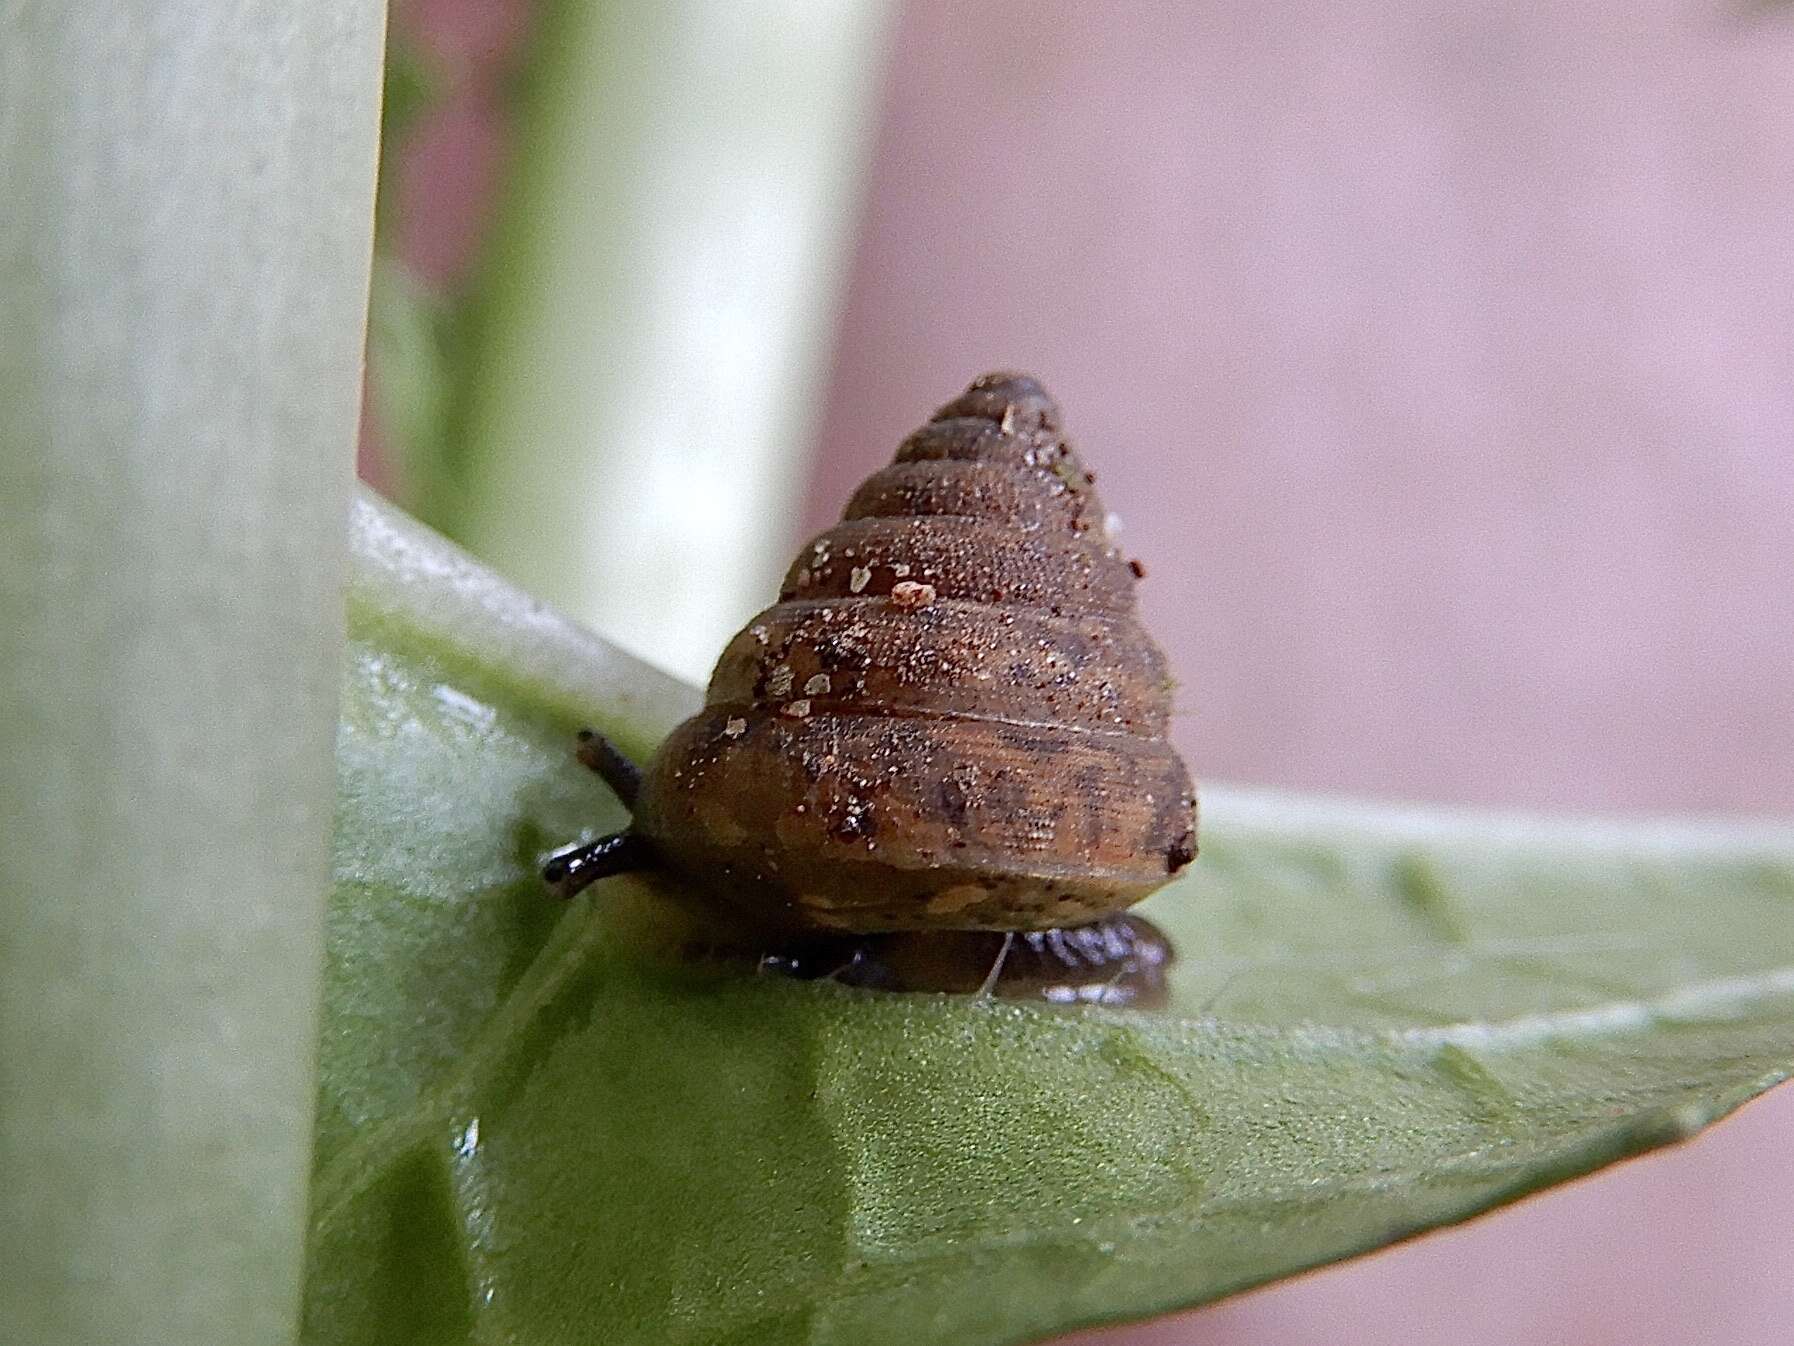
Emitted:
<point x="536" y="1127"/>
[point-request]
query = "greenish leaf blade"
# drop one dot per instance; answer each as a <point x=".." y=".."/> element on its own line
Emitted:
<point x="535" y="1128"/>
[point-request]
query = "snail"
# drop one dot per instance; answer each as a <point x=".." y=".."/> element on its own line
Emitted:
<point x="951" y="720"/>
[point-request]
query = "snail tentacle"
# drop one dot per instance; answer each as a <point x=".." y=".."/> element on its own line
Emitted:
<point x="571" y="871"/>
<point x="616" y="770"/>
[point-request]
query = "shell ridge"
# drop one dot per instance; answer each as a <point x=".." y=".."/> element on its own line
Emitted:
<point x="951" y="718"/>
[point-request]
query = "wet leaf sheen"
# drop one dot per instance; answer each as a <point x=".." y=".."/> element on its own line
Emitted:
<point x="534" y="1129"/>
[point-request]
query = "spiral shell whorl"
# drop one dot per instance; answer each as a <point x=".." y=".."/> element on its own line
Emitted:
<point x="951" y="717"/>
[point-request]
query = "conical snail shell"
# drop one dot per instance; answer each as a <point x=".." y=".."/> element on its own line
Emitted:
<point x="951" y="719"/>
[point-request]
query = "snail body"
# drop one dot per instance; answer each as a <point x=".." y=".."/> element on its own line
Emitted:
<point x="950" y="719"/>
<point x="1119" y="961"/>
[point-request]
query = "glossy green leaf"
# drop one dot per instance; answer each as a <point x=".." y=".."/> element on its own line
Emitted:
<point x="539" y="1128"/>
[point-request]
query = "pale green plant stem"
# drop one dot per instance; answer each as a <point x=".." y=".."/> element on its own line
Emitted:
<point x="644" y="370"/>
<point x="183" y="271"/>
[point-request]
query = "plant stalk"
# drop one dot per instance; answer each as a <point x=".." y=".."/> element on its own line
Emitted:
<point x="646" y="360"/>
<point x="183" y="276"/>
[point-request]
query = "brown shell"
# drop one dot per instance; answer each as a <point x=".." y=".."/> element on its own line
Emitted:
<point x="951" y="718"/>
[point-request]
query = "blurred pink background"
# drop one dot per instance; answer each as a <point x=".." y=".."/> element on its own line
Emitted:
<point x="1438" y="358"/>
